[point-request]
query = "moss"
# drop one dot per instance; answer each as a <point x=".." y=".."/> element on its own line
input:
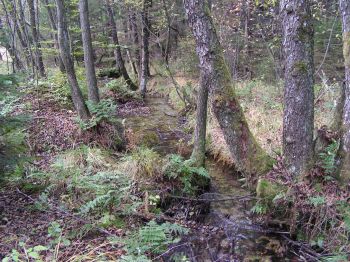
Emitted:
<point x="300" y="67"/>
<point x="346" y="48"/>
<point x="149" y="139"/>
<point x="267" y="190"/>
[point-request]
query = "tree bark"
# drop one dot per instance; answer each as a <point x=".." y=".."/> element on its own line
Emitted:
<point x="117" y="51"/>
<point x="199" y="149"/>
<point x="145" y="73"/>
<point x="54" y="28"/>
<point x="88" y="52"/>
<point x="298" y="119"/>
<point x="24" y="29"/>
<point x="33" y="25"/>
<point x="135" y="37"/>
<point x="248" y="156"/>
<point x="63" y="38"/>
<point x="344" y="152"/>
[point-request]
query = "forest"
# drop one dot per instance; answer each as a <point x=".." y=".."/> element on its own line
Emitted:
<point x="175" y="130"/>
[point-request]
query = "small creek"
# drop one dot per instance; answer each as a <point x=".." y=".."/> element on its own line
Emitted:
<point x="227" y="233"/>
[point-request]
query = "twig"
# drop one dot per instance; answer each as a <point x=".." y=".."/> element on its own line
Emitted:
<point x="328" y="45"/>
<point x="169" y="250"/>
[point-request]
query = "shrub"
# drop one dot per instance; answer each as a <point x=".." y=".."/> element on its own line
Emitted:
<point x="121" y="90"/>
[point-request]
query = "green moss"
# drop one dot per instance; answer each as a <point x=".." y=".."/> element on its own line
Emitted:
<point x="267" y="190"/>
<point x="149" y="139"/>
<point x="300" y="67"/>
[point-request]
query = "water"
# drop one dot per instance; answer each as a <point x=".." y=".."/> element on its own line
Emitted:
<point x="227" y="233"/>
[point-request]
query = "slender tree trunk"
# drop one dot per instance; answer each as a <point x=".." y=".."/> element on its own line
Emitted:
<point x="146" y="27"/>
<point x="117" y="51"/>
<point x="345" y="139"/>
<point x="33" y="26"/>
<point x="88" y="52"/>
<point x="54" y="28"/>
<point x="215" y="76"/>
<point x="24" y="29"/>
<point x="135" y="37"/>
<point x="144" y="75"/>
<point x="298" y="120"/>
<point x="63" y="38"/>
<point x="167" y="44"/>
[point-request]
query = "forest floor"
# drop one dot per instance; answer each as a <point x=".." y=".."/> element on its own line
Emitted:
<point x="39" y="209"/>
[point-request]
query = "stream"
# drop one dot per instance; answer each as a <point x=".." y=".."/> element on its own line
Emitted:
<point x="227" y="231"/>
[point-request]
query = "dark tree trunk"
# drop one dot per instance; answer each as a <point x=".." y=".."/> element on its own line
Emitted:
<point x="33" y="25"/>
<point x="88" y="52"/>
<point x="167" y="44"/>
<point x="145" y="73"/>
<point x="298" y="120"/>
<point x="63" y="38"/>
<point x="54" y="28"/>
<point x="135" y="37"/>
<point x="215" y="76"/>
<point x="117" y="51"/>
<point x="345" y="139"/>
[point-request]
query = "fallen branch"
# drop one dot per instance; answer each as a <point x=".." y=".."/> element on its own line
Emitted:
<point x="236" y="198"/>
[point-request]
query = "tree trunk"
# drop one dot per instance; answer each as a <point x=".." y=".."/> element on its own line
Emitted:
<point x="54" y="28"/>
<point x="198" y="153"/>
<point x="145" y="73"/>
<point x="135" y="37"/>
<point x="24" y="29"/>
<point x="146" y="34"/>
<point x="63" y="38"/>
<point x="298" y="119"/>
<point x="88" y="52"/>
<point x="117" y="51"/>
<point x="248" y="156"/>
<point x="167" y="44"/>
<point x="345" y="139"/>
<point x="38" y="54"/>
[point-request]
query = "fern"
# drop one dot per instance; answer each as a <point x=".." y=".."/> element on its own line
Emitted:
<point x="190" y="176"/>
<point x="328" y="157"/>
<point x="103" y="111"/>
<point x="152" y="238"/>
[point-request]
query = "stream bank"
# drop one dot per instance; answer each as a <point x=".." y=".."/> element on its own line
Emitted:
<point x="227" y="231"/>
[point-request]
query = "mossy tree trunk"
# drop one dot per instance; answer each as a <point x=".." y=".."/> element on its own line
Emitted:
<point x="117" y="50"/>
<point x="67" y="58"/>
<point x="246" y="153"/>
<point x="298" y="119"/>
<point x="344" y="153"/>
<point x="198" y="153"/>
<point x="88" y="52"/>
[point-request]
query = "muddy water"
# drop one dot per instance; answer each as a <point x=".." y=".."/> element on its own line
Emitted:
<point x="227" y="232"/>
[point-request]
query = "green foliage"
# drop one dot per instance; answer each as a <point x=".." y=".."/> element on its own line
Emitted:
<point x="317" y="201"/>
<point x="122" y="91"/>
<point x="152" y="238"/>
<point x="328" y="157"/>
<point x="191" y="177"/>
<point x="26" y="254"/>
<point x="12" y="131"/>
<point x="8" y="80"/>
<point x="105" y="110"/>
<point x="55" y="232"/>
<point x="259" y="208"/>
